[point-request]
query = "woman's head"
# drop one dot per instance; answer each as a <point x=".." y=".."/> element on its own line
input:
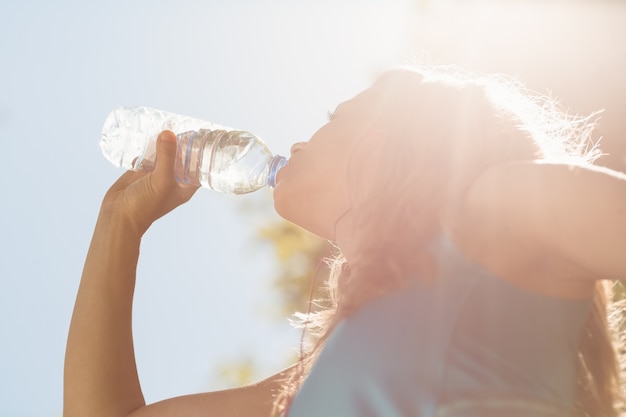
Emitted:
<point x="381" y="170"/>
<point x="315" y="189"/>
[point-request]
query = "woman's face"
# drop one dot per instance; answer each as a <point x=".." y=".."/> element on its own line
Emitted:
<point x="317" y="186"/>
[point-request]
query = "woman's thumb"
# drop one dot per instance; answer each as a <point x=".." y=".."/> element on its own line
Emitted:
<point x="166" y="155"/>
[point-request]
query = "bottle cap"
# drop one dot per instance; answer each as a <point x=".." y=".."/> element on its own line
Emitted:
<point x="276" y="163"/>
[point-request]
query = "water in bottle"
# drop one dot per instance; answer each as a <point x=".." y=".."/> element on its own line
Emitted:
<point x="208" y="155"/>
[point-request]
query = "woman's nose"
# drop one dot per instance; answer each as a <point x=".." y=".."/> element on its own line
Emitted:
<point x="296" y="147"/>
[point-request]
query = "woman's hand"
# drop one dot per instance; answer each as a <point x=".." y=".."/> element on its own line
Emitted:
<point x="140" y="198"/>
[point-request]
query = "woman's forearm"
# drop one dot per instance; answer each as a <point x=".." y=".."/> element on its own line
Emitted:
<point x="100" y="377"/>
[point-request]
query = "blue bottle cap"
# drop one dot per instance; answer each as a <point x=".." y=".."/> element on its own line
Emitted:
<point x="276" y="163"/>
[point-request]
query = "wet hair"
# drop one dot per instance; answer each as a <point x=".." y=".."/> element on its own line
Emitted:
<point x="453" y="125"/>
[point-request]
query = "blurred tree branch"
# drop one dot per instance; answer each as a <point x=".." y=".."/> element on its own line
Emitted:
<point x="301" y="265"/>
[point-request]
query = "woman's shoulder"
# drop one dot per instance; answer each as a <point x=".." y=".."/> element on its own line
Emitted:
<point x="552" y="226"/>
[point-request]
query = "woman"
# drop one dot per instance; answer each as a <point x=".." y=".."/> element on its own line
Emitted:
<point x="476" y="240"/>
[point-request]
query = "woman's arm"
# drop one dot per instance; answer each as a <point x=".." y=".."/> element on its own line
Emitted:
<point x="251" y="401"/>
<point x="577" y="212"/>
<point x="100" y="376"/>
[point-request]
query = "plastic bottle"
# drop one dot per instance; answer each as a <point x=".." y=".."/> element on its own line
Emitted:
<point x="208" y="155"/>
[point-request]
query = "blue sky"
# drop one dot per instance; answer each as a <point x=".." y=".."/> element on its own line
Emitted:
<point x="203" y="295"/>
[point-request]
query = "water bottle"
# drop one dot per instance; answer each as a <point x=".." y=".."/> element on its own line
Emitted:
<point x="208" y="155"/>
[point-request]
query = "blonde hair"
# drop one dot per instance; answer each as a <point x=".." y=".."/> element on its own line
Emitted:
<point x="453" y="125"/>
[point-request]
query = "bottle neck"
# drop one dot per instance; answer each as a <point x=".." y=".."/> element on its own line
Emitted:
<point x="276" y="164"/>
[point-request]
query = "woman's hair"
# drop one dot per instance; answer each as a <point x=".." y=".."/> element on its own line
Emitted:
<point x="452" y="126"/>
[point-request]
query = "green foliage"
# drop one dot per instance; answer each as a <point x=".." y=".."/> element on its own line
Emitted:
<point x="301" y="266"/>
<point x="300" y="261"/>
<point x="237" y="373"/>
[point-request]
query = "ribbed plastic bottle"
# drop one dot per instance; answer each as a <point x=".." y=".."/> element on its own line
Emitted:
<point x="208" y="155"/>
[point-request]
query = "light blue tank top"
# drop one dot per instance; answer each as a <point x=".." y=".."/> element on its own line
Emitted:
<point x="467" y="344"/>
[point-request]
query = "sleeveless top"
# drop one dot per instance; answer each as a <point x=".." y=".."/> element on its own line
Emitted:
<point x="467" y="344"/>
